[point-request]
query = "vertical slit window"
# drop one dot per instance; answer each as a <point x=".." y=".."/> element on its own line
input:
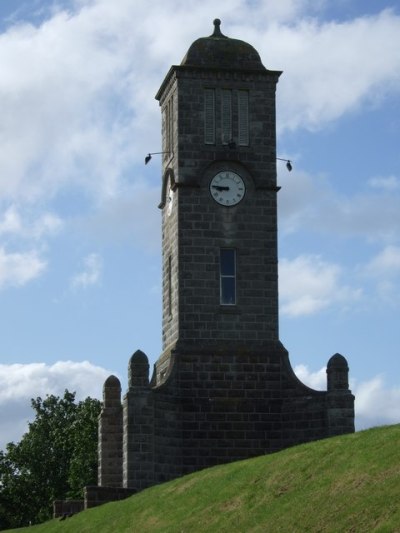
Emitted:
<point x="226" y="116"/>
<point x="171" y="125"/>
<point x="209" y="116"/>
<point x="227" y="276"/>
<point x="164" y="128"/>
<point x="169" y="288"/>
<point x="243" y="113"/>
<point x="168" y="124"/>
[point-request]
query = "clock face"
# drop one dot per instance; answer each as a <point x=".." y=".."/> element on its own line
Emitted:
<point x="227" y="188"/>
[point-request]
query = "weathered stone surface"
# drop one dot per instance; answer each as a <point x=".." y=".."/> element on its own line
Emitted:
<point x="223" y="389"/>
<point x="217" y="407"/>
<point x="110" y="435"/>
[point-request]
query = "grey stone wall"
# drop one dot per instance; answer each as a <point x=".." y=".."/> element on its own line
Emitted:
<point x="138" y="414"/>
<point x="170" y="237"/>
<point x="340" y="408"/>
<point x="223" y="388"/>
<point x="197" y="227"/>
<point x="224" y="405"/>
<point x="110" y="435"/>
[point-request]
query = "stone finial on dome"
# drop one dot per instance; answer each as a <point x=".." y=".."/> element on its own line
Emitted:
<point x="217" y="29"/>
<point x="138" y="370"/>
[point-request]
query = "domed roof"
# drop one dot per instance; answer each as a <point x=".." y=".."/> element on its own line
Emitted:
<point x="112" y="382"/>
<point x="219" y="51"/>
<point x="337" y="361"/>
<point x="139" y="358"/>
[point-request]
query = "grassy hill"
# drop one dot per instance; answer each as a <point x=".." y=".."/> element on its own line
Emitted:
<point x="345" y="484"/>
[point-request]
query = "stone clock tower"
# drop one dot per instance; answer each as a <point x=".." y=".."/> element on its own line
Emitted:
<point x="223" y="388"/>
<point x="219" y="200"/>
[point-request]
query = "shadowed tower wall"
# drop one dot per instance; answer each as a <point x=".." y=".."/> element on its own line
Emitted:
<point x="223" y="388"/>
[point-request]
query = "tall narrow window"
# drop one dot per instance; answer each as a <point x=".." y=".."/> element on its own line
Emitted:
<point x="169" y="288"/>
<point x="226" y="116"/>
<point x="168" y="125"/>
<point x="209" y="116"/>
<point x="228" y="276"/>
<point x="243" y="113"/>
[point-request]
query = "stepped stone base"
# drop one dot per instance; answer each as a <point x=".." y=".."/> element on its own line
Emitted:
<point x="208" y="407"/>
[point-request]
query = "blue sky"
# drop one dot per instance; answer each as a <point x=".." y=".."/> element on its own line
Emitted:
<point x="80" y="249"/>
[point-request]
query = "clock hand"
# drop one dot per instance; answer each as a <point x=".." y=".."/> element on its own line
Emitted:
<point x="220" y="188"/>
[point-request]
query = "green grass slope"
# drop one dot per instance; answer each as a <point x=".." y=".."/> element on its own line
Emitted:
<point x="346" y="484"/>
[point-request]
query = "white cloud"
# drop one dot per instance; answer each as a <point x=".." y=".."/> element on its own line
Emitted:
<point x="18" y="268"/>
<point x="46" y="224"/>
<point x="316" y="380"/>
<point x="91" y="273"/>
<point x="387" y="183"/>
<point x="75" y="89"/>
<point x="133" y="217"/>
<point x="18" y="227"/>
<point x="56" y="122"/>
<point x="28" y="225"/>
<point x="11" y="222"/>
<point x="310" y="202"/>
<point x="19" y="383"/>
<point x="36" y="379"/>
<point x="374" y="217"/>
<point x="347" y="64"/>
<point x="300" y="199"/>
<point x="375" y="403"/>
<point x="308" y="206"/>
<point x="307" y="284"/>
<point x="384" y="271"/>
<point x="387" y="263"/>
<point x="78" y="112"/>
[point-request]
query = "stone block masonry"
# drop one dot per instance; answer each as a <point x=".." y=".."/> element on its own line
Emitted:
<point x="223" y="388"/>
<point x="224" y="406"/>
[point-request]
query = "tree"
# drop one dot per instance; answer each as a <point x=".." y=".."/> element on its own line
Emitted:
<point x="54" y="460"/>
